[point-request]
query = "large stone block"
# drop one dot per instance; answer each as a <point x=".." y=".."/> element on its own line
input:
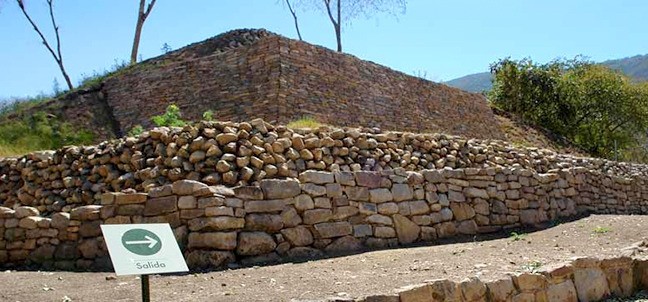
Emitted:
<point x="269" y="223"/>
<point x="279" y="189"/>
<point x="30" y="222"/>
<point x="590" y="281"/>
<point x="255" y="243"/>
<point x="620" y="275"/>
<point x="24" y="211"/>
<point x="248" y="192"/>
<point x="161" y="205"/>
<point x="220" y="223"/>
<point x="90" y="228"/>
<point x="187" y="187"/>
<point x="473" y="290"/>
<point x="416" y="293"/>
<point x="564" y="291"/>
<point x="316" y="177"/>
<point x="89" y="212"/>
<point x="472" y="192"/>
<point x="501" y="290"/>
<point x="212" y="240"/>
<point x="313" y="189"/>
<point x="368" y="179"/>
<point x="298" y="236"/>
<point x="462" y="211"/>
<point x="380" y="195"/>
<point x="406" y="230"/>
<point x="402" y="192"/>
<point x="264" y="206"/>
<point x="130" y="198"/>
<point x="333" y="229"/>
<point x="357" y="193"/>
<point x="317" y="215"/>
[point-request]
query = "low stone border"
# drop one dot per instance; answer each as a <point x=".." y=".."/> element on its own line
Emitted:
<point x="582" y="279"/>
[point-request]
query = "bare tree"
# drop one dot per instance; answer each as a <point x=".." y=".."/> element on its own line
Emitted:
<point x="339" y="12"/>
<point x="58" y="57"/>
<point x="141" y="17"/>
<point x="294" y="14"/>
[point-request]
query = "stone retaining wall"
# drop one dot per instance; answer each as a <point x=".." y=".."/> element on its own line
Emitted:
<point x="234" y="154"/>
<point x="317" y="213"/>
<point x="583" y="279"/>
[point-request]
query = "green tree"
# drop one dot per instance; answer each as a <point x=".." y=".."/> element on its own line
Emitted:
<point x="598" y="109"/>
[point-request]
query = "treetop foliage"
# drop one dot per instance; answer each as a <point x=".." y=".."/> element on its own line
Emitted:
<point x="598" y="109"/>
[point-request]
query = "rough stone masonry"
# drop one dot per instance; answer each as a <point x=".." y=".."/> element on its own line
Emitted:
<point x="245" y="74"/>
<point x="317" y="213"/>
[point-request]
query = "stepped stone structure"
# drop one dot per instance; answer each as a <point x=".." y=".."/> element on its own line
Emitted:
<point x="255" y="192"/>
<point x="245" y="74"/>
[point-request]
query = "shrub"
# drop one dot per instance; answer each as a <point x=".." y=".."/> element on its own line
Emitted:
<point x="136" y="130"/>
<point x="208" y="115"/>
<point x="170" y="118"/>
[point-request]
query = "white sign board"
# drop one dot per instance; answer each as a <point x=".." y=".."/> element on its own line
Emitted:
<point x="141" y="249"/>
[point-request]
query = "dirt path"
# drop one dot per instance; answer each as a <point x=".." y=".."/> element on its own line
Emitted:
<point x="351" y="276"/>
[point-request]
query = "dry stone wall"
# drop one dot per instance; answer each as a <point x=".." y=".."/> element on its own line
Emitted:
<point x="317" y="213"/>
<point x="234" y="154"/>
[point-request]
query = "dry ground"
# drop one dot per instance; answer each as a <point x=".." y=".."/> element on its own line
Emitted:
<point x="350" y="276"/>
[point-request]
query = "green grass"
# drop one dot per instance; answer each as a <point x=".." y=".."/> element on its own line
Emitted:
<point x="601" y="230"/>
<point x="305" y="122"/>
<point x="39" y="132"/>
<point x="96" y="77"/>
<point x="517" y="237"/>
<point x="532" y="266"/>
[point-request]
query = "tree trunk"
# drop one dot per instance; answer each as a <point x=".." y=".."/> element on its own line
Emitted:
<point x="136" y="40"/>
<point x="336" y="24"/>
<point x="138" y="32"/>
<point x="338" y="30"/>
<point x="141" y="17"/>
<point x="65" y="75"/>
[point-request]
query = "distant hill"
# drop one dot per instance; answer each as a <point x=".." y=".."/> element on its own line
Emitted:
<point x="476" y="82"/>
<point x="636" y="67"/>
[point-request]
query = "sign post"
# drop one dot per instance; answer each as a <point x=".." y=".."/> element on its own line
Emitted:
<point x="143" y="249"/>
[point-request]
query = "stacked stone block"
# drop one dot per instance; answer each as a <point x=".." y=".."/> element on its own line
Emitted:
<point x="318" y="213"/>
<point x="241" y="154"/>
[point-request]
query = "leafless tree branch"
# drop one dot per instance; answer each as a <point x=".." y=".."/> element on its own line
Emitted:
<point x="57" y="56"/>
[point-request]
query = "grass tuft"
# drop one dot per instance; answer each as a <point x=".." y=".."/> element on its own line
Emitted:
<point x="305" y="122"/>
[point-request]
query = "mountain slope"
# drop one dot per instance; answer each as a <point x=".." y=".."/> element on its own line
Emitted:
<point x="635" y="67"/>
<point x="476" y="82"/>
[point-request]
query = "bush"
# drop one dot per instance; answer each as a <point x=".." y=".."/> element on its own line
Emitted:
<point x="208" y="115"/>
<point x="598" y="109"/>
<point x="170" y="118"/>
<point x="136" y="130"/>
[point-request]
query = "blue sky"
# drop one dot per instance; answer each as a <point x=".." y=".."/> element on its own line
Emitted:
<point x="442" y="39"/>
